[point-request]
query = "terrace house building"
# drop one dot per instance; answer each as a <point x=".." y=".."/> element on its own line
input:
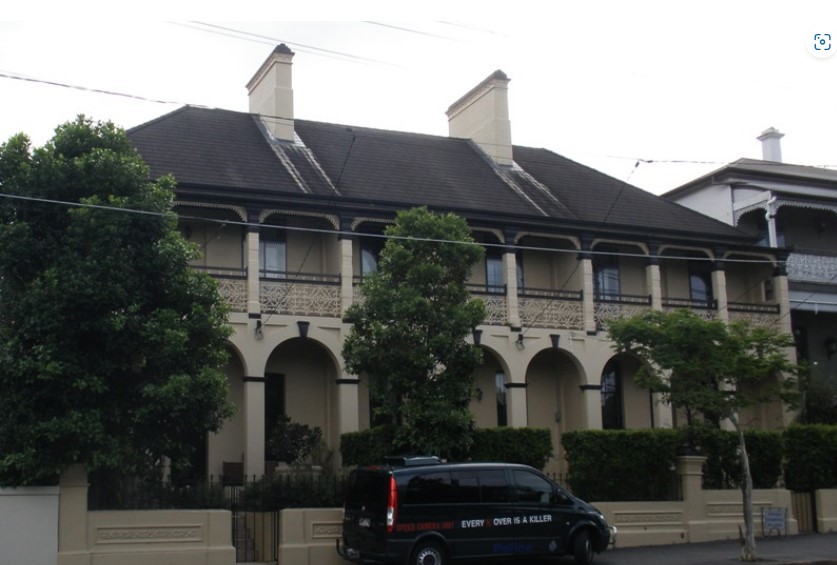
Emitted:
<point x="289" y="215"/>
<point x="786" y="206"/>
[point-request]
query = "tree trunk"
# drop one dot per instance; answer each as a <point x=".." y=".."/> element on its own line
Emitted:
<point x="748" y="547"/>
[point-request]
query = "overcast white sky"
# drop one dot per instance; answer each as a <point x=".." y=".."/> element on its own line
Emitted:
<point x="688" y="86"/>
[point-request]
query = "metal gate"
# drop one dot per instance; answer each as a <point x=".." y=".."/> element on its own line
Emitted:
<point x="805" y="511"/>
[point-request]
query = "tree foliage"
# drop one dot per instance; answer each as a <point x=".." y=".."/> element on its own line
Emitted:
<point x="409" y="332"/>
<point x="713" y="368"/>
<point x="110" y="345"/>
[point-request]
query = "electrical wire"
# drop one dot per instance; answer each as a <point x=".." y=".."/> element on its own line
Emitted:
<point x="516" y="247"/>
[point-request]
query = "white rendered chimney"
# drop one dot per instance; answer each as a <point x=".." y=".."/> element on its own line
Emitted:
<point x="272" y="95"/>
<point x="482" y="115"/>
<point x="771" y="147"/>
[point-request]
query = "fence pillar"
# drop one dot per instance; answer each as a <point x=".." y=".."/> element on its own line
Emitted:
<point x="72" y="517"/>
<point x="690" y="471"/>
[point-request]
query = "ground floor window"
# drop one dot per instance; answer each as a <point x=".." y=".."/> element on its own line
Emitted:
<point x="612" y="406"/>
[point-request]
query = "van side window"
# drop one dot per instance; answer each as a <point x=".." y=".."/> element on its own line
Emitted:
<point x="429" y="488"/>
<point x="484" y="485"/>
<point x="493" y="485"/>
<point x="530" y="487"/>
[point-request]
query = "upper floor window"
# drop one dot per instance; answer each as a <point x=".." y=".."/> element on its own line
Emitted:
<point x="495" y="280"/>
<point x="370" y="253"/>
<point x="612" y="414"/>
<point x="700" y="284"/>
<point x="606" y="280"/>
<point x="272" y="253"/>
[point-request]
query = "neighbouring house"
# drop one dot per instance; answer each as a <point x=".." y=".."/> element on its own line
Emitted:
<point x="289" y="214"/>
<point x="785" y="206"/>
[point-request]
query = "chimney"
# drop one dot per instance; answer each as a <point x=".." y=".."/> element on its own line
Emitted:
<point x="482" y="115"/>
<point x="272" y="94"/>
<point x="771" y="148"/>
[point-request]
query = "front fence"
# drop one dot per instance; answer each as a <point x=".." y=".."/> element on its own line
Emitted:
<point x="254" y="502"/>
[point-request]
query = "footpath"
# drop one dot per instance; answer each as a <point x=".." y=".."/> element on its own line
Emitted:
<point x="810" y="549"/>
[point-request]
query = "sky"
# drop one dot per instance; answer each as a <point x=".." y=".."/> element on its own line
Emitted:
<point x="653" y="93"/>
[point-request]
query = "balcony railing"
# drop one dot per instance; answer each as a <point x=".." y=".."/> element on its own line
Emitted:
<point x="494" y="297"/>
<point x="546" y="308"/>
<point x="300" y="294"/>
<point x="760" y="315"/>
<point x="708" y="310"/>
<point x="609" y="306"/>
<point x="814" y="267"/>
<point x="232" y="285"/>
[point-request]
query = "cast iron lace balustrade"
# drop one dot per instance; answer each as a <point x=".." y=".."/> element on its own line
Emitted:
<point x="301" y="294"/>
<point x="232" y="285"/>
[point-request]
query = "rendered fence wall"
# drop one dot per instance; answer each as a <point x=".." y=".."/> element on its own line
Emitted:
<point x="29" y="526"/>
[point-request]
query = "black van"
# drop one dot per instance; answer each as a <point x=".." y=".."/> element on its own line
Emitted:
<point x="422" y="512"/>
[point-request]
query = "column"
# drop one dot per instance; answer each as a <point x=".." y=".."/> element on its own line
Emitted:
<point x="253" y="304"/>
<point x="254" y="437"/>
<point x="781" y="293"/>
<point x="589" y="307"/>
<point x="346" y="271"/>
<point x="512" y="304"/>
<point x="653" y="281"/>
<point x="719" y="290"/>
<point x="72" y="517"/>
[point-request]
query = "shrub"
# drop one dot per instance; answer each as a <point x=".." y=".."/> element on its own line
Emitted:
<point x="367" y="446"/>
<point x="619" y="465"/>
<point x="811" y="457"/>
<point x="292" y="442"/>
<point x="529" y="446"/>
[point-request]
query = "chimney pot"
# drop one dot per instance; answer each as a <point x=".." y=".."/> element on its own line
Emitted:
<point x="771" y="147"/>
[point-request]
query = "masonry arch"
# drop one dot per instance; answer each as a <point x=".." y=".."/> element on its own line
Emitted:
<point x="625" y="405"/>
<point x="490" y="407"/>
<point x="225" y="445"/>
<point x="555" y="398"/>
<point x="300" y="382"/>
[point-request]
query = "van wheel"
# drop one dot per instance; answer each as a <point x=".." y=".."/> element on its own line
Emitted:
<point x="583" y="548"/>
<point x="428" y="553"/>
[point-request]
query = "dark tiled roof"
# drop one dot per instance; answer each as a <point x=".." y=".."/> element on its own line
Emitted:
<point x="762" y="169"/>
<point x="229" y="150"/>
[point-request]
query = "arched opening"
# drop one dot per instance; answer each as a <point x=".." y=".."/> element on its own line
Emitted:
<point x="555" y="399"/>
<point x="490" y="408"/>
<point x="625" y="405"/>
<point x="300" y="380"/>
<point x="225" y="445"/>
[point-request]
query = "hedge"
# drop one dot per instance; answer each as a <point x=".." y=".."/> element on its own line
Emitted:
<point x="621" y="464"/>
<point x="530" y="446"/>
<point x="811" y="457"/>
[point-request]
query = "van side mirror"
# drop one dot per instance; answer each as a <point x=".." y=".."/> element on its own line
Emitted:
<point x="560" y="498"/>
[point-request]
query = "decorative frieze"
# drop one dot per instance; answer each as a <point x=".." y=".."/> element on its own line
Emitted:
<point x="331" y="530"/>
<point x="156" y="534"/>
<point x="805" y="267"/>
<point x="646" y="518"/>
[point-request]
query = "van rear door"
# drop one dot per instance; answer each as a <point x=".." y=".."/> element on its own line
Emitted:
<point x="365" y="513"/>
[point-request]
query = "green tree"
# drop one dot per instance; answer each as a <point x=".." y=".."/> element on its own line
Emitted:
<point x="409" y="332"/>
<point x="110" y="344"/>
<point x="714" y="368"/>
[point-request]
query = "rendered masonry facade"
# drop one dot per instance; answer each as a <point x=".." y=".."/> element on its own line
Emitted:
<point x="289" y="215"/>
